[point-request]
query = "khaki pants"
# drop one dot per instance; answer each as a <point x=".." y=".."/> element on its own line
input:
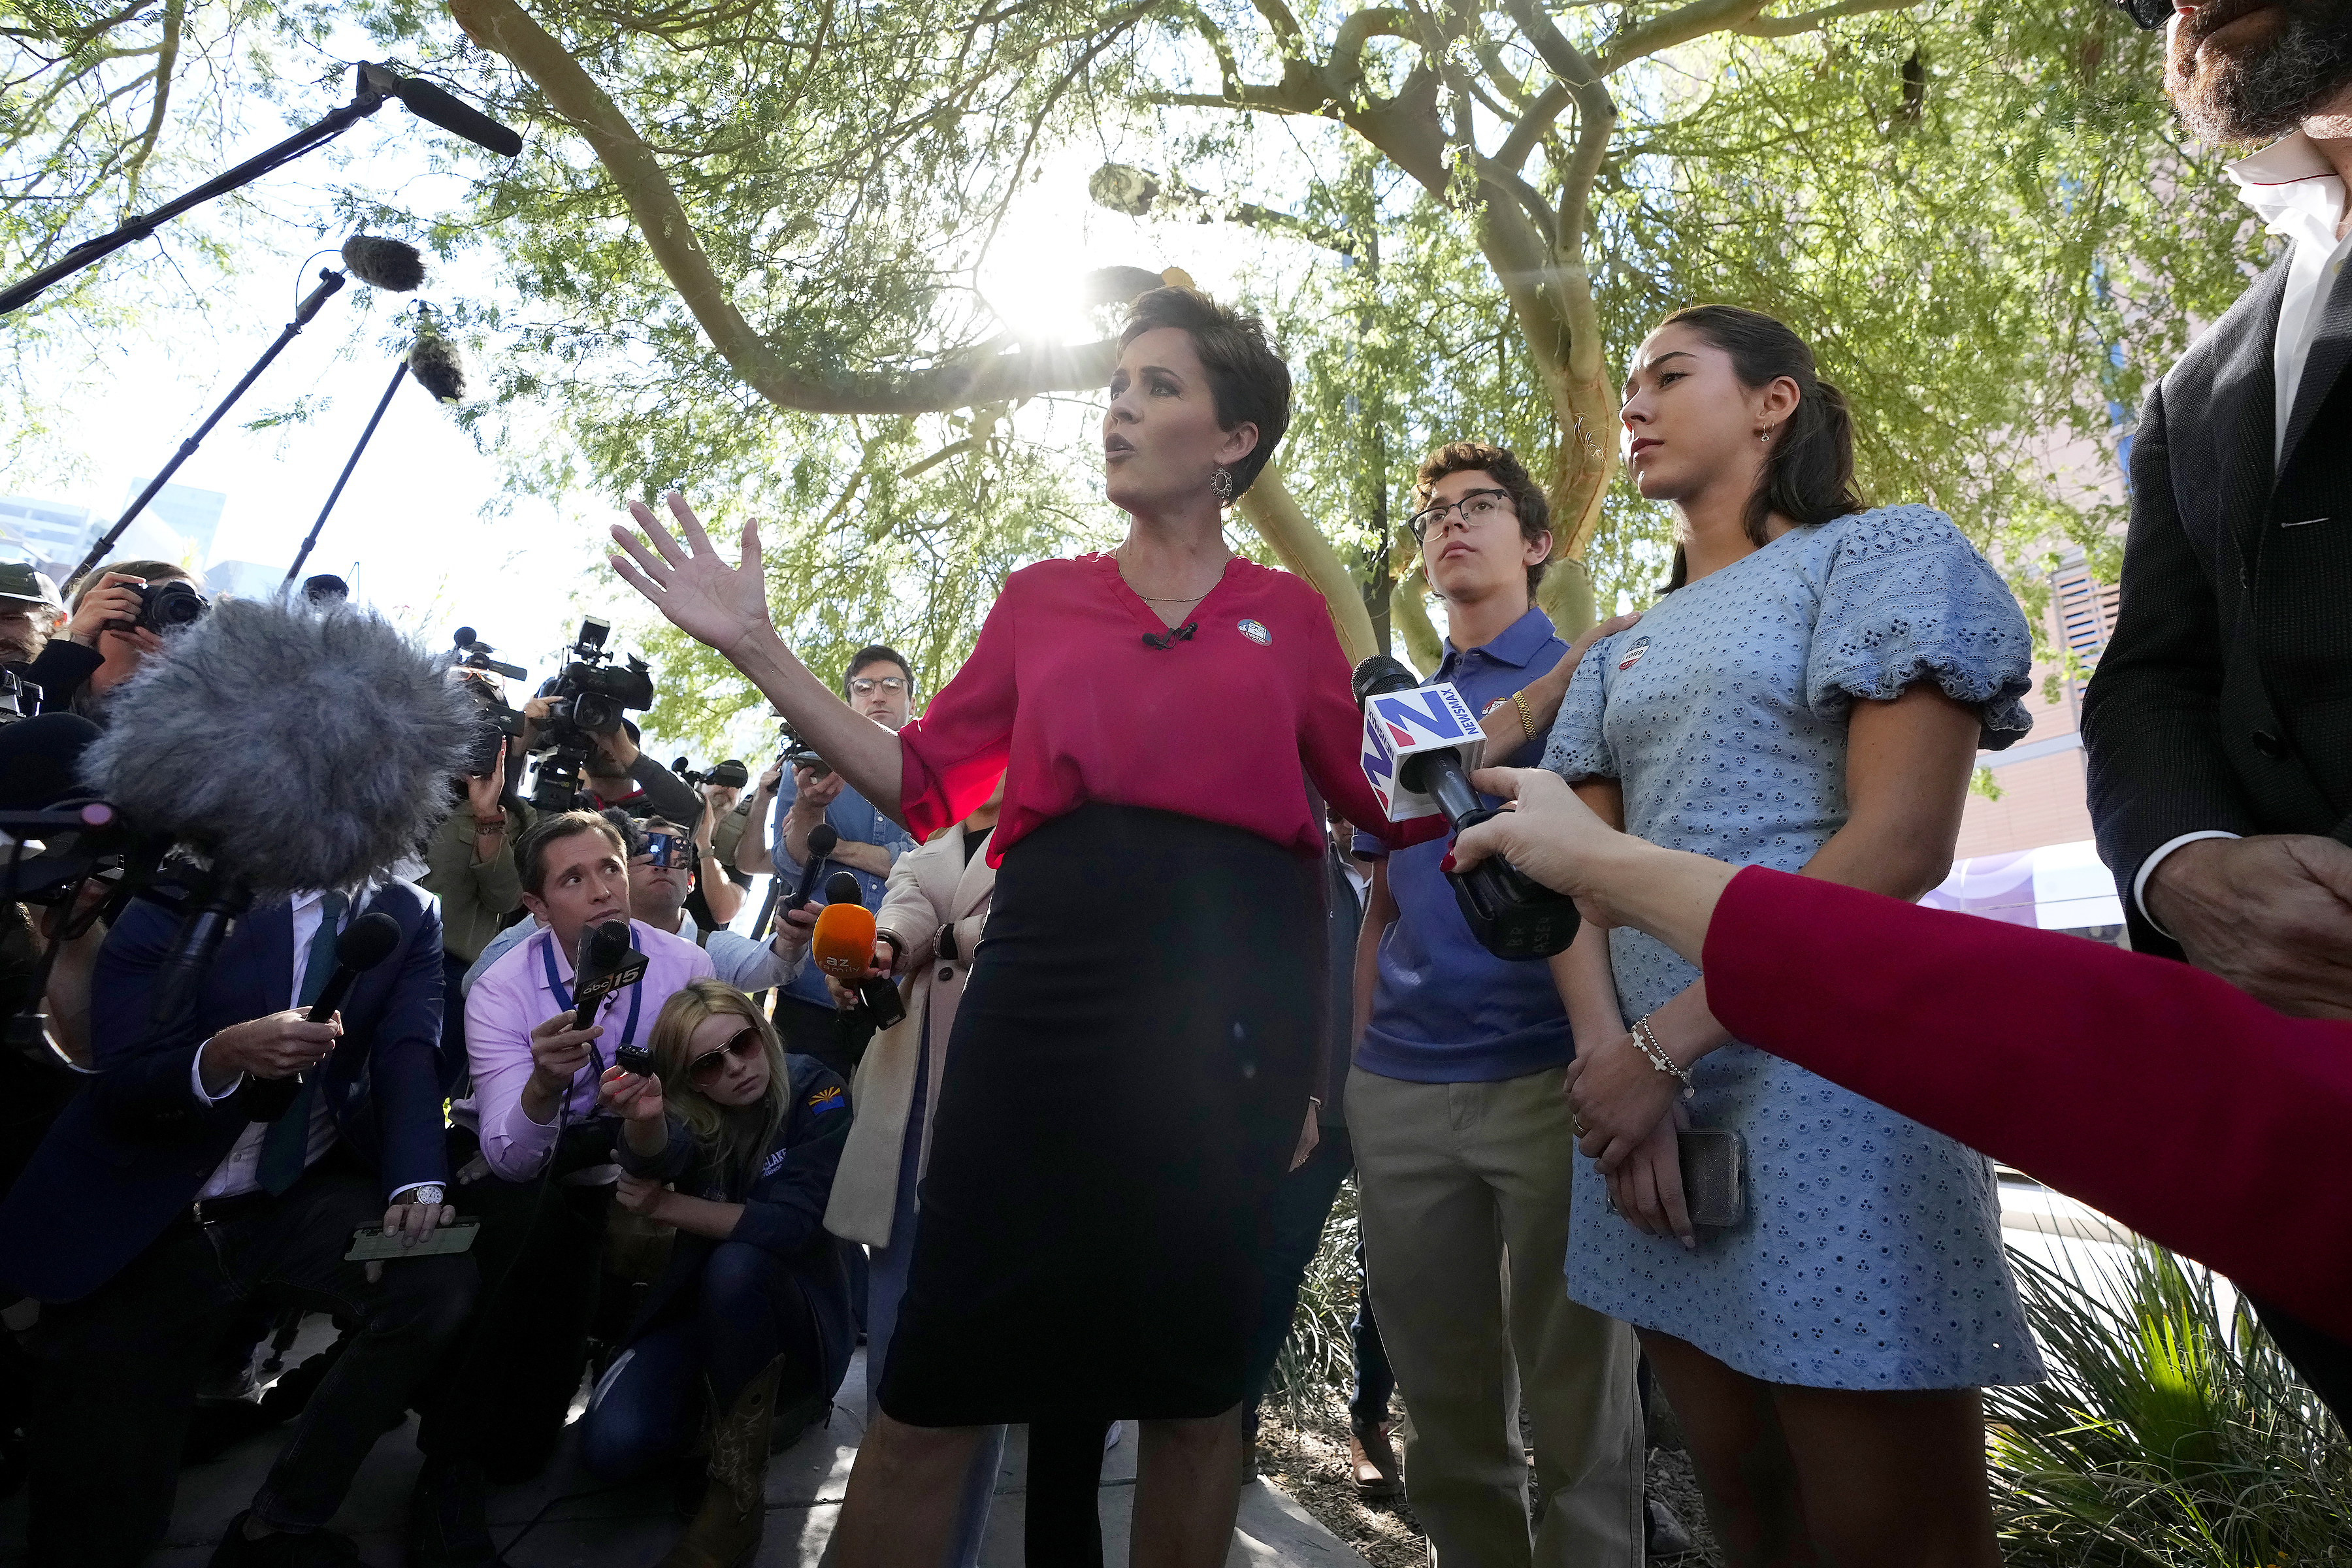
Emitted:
<point x="1464" y="1192"/>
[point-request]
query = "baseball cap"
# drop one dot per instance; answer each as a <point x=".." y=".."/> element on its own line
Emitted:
<point x="21" y="583"/>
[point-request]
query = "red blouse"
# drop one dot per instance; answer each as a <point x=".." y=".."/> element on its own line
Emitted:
<point x="1226" y="726"/>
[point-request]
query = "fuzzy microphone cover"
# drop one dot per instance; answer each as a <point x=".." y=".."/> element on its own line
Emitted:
<point x="433" y="361"/>
<point x="382" y="263"/>
<point x="298" y="746"/>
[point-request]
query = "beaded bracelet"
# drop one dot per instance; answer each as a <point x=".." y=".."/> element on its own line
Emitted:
<point x="1648" y="1044"/>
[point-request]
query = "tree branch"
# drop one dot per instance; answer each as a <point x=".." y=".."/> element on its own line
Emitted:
<point x="1811" y="21"/>
<point x="1300" y="546"/>
<point x="167" y="56"/>
<point x="503" y="25"/>
<point x="1679" y="26"/>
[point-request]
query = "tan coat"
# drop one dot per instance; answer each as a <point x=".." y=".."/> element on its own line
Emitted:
<point x="928" y="887"/>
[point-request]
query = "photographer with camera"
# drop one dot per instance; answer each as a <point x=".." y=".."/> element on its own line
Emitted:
<point x="123" y="609"/>
<point x="878" y="686"/>
<point x="720" y="889"/>
<point x="31" y="615"/>
<point x="534" y="1164"/>
<point x="469" y="865"/>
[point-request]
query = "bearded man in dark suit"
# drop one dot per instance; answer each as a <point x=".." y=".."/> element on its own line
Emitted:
<point x="2220" y="722"/>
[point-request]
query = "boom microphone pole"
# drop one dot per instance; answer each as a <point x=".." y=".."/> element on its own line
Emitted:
<point x="330" y="280"/>
<point x="437" y="370"/>
<point x="375" y="84"/>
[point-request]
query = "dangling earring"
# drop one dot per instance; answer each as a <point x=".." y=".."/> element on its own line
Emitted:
<point x="1765" y="433"/>
<point x="1221" y="479"/>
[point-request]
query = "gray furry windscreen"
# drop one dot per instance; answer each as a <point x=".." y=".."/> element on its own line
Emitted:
<point x="299" y="747"/>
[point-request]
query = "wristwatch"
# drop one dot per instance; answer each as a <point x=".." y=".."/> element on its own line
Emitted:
<point x="426" y="1195"/>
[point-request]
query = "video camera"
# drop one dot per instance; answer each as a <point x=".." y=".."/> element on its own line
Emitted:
<point x="728" y="774"/>
<point x="588" y="697"/>
<point x="500" y="722"/>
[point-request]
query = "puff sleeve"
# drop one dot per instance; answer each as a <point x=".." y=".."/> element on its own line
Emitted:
<point x="1577" y="748"/>
<point x="1908" y="599"/>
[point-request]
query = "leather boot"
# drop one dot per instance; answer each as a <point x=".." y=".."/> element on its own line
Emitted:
<point x="725" y="1533"/>
<point x="1372" y="1458"/>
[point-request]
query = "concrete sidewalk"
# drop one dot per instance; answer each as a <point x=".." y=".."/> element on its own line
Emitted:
<point x="584" y="1525"/>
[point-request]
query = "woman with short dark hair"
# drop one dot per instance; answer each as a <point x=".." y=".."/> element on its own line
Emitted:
<point x="1132" y="1065"/>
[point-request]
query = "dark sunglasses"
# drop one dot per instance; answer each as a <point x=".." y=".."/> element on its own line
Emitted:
<point x="2148" y="13"/>
<point x="704" y="1070"/>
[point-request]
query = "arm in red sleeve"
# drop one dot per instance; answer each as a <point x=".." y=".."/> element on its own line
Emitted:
<point x="2150" y="1090"/>
<point x="954" y="752"/>
<point x="1331" y="744"/>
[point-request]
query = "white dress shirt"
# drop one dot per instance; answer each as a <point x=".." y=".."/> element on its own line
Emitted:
<point x="2298" y="196"/>
<point x="239" y="1171"/>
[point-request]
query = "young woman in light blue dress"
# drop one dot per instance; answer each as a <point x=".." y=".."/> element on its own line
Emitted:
<point x="1809" y="696"/>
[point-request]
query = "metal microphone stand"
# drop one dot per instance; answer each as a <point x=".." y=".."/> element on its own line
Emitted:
<point x="330" y="280"/>
<point x="366" y="102"/>
<point x="398" y="374"/>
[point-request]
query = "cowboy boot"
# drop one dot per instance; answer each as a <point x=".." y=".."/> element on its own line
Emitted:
<point x="725" y="1532"/>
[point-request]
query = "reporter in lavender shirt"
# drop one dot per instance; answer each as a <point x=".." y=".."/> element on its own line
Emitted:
<point x="527" y="1165"/>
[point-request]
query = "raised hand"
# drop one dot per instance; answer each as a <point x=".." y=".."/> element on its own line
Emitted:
<point x="688" y="582"/>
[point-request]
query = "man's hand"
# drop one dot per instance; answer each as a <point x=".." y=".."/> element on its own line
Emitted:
<point x="111" y="606"/>
<point x="482" y="791"/>
<point x="815" y="793"/>
<point x="2271" y="915"/>
<point x="557" y="1052"/>
<point x="534" y="718"/>
<point x="412" y="1222"/>
<point x="276" y="1046"/>
<point x="796" y="930"/>
<point x="766" y="787"/>
<point x="615" y="744"/>
<point x="640" y="1194"/>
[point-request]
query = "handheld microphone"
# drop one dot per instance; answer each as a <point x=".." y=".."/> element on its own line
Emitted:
<point x="365" y="943"/>
<point x="844" y="948"/>
<point x="821" y="840"/>
<point x="1414" y="759"/>
<point x="603" y="964"/>
<point x="430" y="104"/>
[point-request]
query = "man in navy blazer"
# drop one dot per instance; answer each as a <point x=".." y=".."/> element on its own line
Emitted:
<point x="196" y="1171"/>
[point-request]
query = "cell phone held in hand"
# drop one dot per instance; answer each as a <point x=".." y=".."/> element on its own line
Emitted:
<point x="636" y="1059"/>
<point x="370" y="1242"/>
<point x="1713" y="1186"/>
<point x="1713" y="1160"/>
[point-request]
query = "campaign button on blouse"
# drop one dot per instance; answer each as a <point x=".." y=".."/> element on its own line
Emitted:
<point x="1633" y="655"/>
<point x="1256" y="631"/>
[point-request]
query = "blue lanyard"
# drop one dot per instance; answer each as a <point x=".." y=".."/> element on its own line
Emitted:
<point x="564" y="993"/>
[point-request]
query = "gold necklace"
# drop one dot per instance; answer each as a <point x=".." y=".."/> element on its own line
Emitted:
<point x="1119" y="559"/>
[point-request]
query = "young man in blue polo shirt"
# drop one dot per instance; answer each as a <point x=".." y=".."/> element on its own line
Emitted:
<point x="1462" y="1139"/>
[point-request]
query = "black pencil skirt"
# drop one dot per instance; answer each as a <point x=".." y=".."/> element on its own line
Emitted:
<point x="1128" y="1080"/>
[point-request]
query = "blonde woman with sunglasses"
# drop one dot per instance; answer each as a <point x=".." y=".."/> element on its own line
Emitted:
<point x="734" y="1143"/>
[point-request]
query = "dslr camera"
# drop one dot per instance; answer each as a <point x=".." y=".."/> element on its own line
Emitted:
<point x="589" y="697"/>
<point x="500" y="722"/>
<point x="163" y="606"/>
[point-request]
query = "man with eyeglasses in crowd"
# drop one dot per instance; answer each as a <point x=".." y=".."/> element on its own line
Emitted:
<point x="879" y="686"/>
<point x="1463" y="1148"/>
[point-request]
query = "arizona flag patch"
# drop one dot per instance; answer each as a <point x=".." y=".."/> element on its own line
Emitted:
<point x="826" y="1098"/>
